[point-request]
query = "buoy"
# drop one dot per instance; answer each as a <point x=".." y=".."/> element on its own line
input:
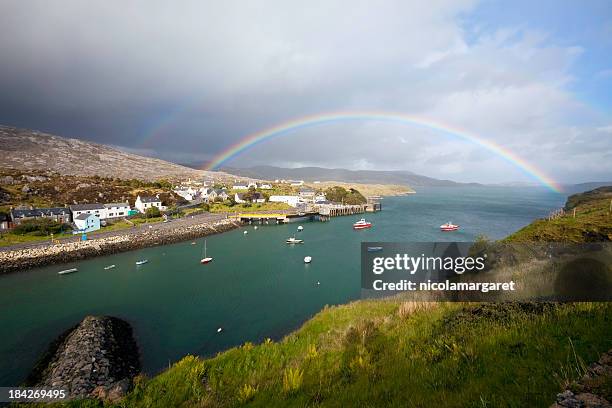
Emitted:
<point x="219" y="330"/>
<point x="255" y="227"/>
<point x="318" y="283"/>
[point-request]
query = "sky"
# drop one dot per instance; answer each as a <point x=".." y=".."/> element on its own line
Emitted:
<point x="184" y="81"/>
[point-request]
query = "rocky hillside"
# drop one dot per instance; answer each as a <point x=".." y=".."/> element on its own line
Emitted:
<point x="24" y="149"/>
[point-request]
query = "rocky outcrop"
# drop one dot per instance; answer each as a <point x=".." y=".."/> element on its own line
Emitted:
<point x="592" y="390"/>
<point x="98" y="358"/>
<point x="21" y="259"/>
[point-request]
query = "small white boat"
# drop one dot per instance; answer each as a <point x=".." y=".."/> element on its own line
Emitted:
<point x="205" y="259"/>
<point x="293" y="240"/>
<point x="193" y="243"/>
<point x="255" y="227"/>
<point x="142" y="262"/>
<point x="67" y="271"/>
<point x="245" y="232"/>
<point x="307" y="259"/>
<point x="362" y="224"/>
<point x="449" y="227"/>
<point x="106" y="268"/>
<point x="219" y="330"/>
<point x="300" y="228"/>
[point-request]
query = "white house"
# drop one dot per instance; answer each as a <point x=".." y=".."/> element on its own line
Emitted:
<point x="297" y="183"/>
<point x="94" y="208"/>
<point x="144" y="203"/>
<point x="252" y="184"/>
<point x="87" y="222"/>
<point x="319" y="198"/>
<point x="293" y="201"/>
<point x="116" y="210"/>
<point x="240" y="187"/>
<point x="307" y="194"/>
<point x="265" y="186"/>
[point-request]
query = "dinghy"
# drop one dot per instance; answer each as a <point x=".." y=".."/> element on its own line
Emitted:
<point x="67" y="271"/>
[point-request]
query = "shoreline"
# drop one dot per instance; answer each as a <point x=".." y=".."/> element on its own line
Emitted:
<point x="17" y="260"/>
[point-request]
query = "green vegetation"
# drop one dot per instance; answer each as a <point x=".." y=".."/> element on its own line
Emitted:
<point x="342" y="195"/>
<point x="394" y="353"/>
<point x="592" y="221"/>
<point x="41" y="229"/>
<point x="152" y="212"/>
<point x="225" y="207"/>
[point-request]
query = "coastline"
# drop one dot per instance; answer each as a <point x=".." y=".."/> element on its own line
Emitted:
<point x="15" y="260"/>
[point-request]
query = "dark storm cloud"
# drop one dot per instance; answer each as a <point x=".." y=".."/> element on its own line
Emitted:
<point x="185" y="80"/>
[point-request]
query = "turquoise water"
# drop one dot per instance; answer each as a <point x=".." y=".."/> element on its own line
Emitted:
<point x="256" y="287"/>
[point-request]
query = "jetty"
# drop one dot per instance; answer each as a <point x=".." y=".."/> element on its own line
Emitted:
<point x="311" y="212"/>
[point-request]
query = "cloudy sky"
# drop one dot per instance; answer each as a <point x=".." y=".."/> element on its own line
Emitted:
<point x="185" y="80"/>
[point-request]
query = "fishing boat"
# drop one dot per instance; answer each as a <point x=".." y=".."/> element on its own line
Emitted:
<point x="293" y="240"/>
<point x="307" y="259"/>
<point x="300" y="228"/>
<point x="67" y="271"/>
<point x="362" y="224"/>
<point x="375" y="249"/>
<point x="206" y="259"/>
<point x="106" y="268"/>
<point x="449" y="227"/>
<point x="142" y="262"/>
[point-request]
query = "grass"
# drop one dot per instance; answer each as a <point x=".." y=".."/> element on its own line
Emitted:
<point x="390" y="353"/>
<point x="224" y="208"/>
<point x="592" y="223"/>
<point x="7" y="239"/>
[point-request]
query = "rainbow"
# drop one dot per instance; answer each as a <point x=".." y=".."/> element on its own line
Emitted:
<point x="295" y="125"/>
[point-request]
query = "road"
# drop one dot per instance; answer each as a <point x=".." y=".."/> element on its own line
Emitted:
<point x="158" y="226"/>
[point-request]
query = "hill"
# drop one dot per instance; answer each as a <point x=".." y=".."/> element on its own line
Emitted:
<point x="586" y="217"/>
<point x="28" y="150"/>
<point x="342" y="175"/>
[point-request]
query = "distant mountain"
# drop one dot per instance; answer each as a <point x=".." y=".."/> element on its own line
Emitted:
<point x="349" y="176"/>
<point x="24" y="149"/>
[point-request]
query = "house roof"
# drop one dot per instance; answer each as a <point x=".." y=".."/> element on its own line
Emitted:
<point x="109" y="205"/>
<point x="218" y="191"/>
<point x="306" y="190"/>
<point x="149" y="199"/>
<point x="83" y="216"/>
<point x="85" y="207"/>
<point x="39" y="212"/>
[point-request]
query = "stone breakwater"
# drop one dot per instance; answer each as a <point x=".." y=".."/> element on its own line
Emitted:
<point x="98" y="358"/>
<point x="22" y="259"/>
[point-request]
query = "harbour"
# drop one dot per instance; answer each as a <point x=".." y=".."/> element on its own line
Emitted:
<point x="258" y="287"/>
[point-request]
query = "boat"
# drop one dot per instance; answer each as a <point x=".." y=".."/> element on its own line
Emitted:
<point x="293" y="240"/>
<point x="300" y="228"/>
<point x="106" y="268"/>
<point x="307" y="259"/>
<point x="362" y="224"/>
<point x="206" y="259"/>
<point x="64" y="272"/>
<point x="449" y="227"/>
<point x="219" y="330"/>
<point x="142" y="262"/>
<point x="193" y="243"/>
<point x="255" y="227"/>
<point x="245" y="232"/>
<point x="375" y="249"/>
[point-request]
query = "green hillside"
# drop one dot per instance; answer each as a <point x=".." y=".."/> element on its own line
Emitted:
<point x="592" y="221"/>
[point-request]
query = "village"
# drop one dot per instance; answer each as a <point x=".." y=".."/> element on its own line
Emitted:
<point x="244" y="200"/>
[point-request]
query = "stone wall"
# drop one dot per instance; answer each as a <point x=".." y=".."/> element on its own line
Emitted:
<point x="22" y="259"/>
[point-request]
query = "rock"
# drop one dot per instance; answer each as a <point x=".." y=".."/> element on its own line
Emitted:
<point x="82" y="185"/>
<point x="72" y="361"/>
<point x="8" y="180"/>
<point x="25" y="189"/>
<point x="590" y="391"/>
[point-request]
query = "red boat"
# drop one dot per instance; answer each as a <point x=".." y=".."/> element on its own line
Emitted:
<point x="449" y="227"/>
<point x="362" y="224"/>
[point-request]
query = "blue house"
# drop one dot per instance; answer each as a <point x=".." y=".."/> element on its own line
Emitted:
<point x="87" y="222"/>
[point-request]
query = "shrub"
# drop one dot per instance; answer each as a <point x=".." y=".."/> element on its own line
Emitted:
<point x="152" y="212"/>
<point x="40" y="226"/>
<point x="205" y="206"/>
